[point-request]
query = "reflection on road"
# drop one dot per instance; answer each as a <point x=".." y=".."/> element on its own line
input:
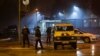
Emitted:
<point x="88" y="49"/>
<point x="39" y="52"/>
<point x="84" y="49"/>
<point x="93" y="49"/>
<point x="79" y="53"/>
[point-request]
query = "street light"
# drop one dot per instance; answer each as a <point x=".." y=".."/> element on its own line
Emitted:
<point x="36" y="15"/>
<point x="25" y="2"/>
<point x="61" y="15"/>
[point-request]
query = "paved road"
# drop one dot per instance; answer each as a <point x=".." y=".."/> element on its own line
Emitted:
<point x="14" y="49"/>
<point x="48" y="51"/>
<point x="89" y="49"/>
<point x="84" y="49"/>
<point x="32" y="52"/>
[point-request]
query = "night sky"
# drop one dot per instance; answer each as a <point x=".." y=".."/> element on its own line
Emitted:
<point x="9" y="8"/>
<point x="8" y="13"/>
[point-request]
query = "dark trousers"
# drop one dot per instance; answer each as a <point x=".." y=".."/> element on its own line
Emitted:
<point x="26" y="41"/>
<point x="48" y="38"/>
<point x="36" y="44"/>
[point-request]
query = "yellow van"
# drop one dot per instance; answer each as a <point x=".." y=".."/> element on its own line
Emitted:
<point x="62" y="35"/>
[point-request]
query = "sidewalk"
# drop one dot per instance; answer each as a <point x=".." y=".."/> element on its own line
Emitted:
<point x="17" y="45"/>
<point x="9" y="44"/>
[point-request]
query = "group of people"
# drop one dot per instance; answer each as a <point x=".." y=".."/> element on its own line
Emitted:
<point x="25" y="33"/>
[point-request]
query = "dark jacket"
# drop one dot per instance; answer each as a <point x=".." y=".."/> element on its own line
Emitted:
<point x="48" y="30"/>
<point x="37" y="32"/>
<point x="25" y="31"/>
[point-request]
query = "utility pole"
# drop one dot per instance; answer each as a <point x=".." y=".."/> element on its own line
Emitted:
<point x="25" y="2"/>
<point x="19" y="26"/>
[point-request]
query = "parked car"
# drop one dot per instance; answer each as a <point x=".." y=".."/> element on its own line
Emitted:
<point x="9" y="33"/>
<point x="86" y="36"/>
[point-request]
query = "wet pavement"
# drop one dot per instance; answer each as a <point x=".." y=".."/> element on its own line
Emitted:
<point x="15" y="49"/>
<point x="83" y="49"/>
<point x="89" y="49"/>
<point x="47" y="51"/>
<point x="31" y="52"/>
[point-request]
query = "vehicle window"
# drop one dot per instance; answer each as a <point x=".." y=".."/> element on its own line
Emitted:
<point x="79" y="32"/>
<point x="64" y="28"/>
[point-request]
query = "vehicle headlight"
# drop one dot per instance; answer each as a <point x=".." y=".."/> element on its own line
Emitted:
<point x="93" y="37"/>
<point x="58" y="38"/>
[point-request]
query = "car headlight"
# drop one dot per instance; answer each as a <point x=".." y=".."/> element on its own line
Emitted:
<point x="58" y="38"/>
<point x="93" y="37"/>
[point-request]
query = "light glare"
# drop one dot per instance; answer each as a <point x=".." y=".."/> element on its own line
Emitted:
<point x="75" y="8"/>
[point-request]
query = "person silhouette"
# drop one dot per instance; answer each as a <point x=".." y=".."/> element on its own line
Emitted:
<point x="25" y="33"/>
<point x="38" y="37"/>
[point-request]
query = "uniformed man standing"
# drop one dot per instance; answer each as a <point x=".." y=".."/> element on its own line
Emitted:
<point x="25" y="33"/>
<point x="38" y="37"/>
<point x="48" y="35"/>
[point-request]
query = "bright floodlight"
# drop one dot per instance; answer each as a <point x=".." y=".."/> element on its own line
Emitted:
<point x="60" y="14"/>
<point x="75" y="8"/>
<point x="76" y="13"/>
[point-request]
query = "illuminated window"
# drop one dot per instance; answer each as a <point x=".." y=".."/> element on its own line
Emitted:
<point x="86" y="23"/>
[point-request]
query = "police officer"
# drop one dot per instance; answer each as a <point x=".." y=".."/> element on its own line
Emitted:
<point x="25" y="33"/>
<point x="38" y="37"/>
<point x="48" y="35"/>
